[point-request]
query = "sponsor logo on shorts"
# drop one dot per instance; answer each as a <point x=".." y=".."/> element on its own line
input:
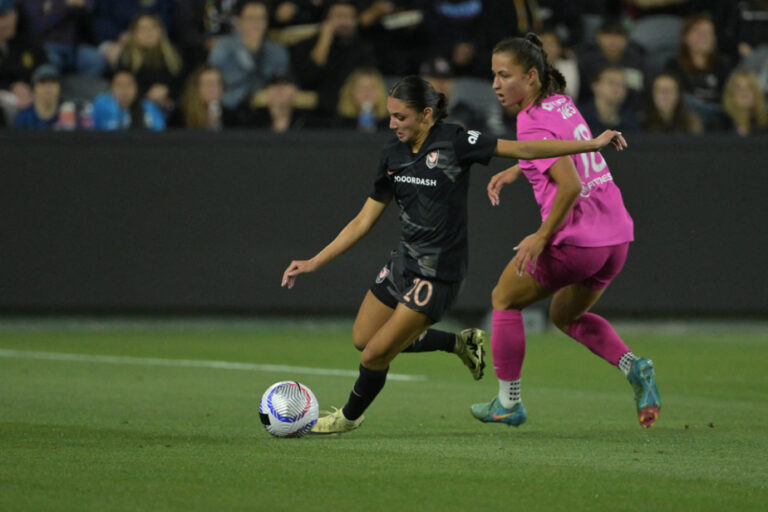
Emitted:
<point x="382" y="275"/>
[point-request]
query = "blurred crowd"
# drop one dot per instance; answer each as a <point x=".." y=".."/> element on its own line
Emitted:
<point x="687" y="66"/>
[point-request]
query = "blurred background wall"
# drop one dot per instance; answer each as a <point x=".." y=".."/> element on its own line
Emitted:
<point x="199" y="223"/>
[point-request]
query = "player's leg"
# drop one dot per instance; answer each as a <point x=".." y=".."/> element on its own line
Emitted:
<point x="570" y="313"/>
<point x="403" y="326"/>
<point x="373" y="313"/>
<point x="512" y="293"/>
<point x="395" y="284"/>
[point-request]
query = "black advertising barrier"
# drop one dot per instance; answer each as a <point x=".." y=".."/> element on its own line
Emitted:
<point x="206" y="223"/>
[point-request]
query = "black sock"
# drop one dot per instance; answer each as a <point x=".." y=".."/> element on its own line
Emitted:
<point x="432" y="340"/>
<point x="367" y="386"/>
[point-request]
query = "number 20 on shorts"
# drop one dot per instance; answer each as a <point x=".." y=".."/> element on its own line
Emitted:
<point x="420" y="293"/>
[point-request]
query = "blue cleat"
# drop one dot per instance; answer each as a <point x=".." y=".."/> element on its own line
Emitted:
<point x="493" y="412"/>
<point x="647" y="399"/>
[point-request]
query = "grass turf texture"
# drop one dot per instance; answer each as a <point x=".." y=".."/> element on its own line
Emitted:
<point x="95" y="436"/>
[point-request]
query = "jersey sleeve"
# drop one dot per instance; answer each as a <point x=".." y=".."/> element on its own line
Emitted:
<point x="383" y="188"/>
<point x="474" y="147"/>
<point x="537" y="133"/>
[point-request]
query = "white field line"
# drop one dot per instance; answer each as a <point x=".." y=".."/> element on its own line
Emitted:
<point x="192" y="363"/>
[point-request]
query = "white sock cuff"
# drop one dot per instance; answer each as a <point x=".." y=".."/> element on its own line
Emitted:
<point x="509" y="393"/>
<point x="625" y="363"/>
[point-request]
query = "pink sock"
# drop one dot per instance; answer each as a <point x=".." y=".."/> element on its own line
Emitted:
<point x="507" y="343"/>
<point x="595" y="333"/>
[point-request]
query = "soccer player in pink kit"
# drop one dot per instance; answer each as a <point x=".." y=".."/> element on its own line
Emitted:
<point x="579" y="248"/>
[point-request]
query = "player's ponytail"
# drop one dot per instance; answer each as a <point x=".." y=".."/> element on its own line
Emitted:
<point x="529" y="53"/>
<point x="419" y="94"/>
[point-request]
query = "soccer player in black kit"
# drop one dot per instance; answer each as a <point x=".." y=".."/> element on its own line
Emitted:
<point x="426" y="171"/>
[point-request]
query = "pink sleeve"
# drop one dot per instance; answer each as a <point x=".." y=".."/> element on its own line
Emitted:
<point x="537" y="133"/>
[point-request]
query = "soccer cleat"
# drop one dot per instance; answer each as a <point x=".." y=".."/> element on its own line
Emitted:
<point x="471" y="351"/>
<point x="494" y="412"/>
<point x="335" y="423"/>
<point x="642" y="377"/>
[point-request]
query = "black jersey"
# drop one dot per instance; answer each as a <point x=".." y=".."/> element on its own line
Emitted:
<point x="431" y="187"/>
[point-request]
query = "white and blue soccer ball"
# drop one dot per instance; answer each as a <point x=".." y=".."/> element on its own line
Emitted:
<point x="288" y="409"/>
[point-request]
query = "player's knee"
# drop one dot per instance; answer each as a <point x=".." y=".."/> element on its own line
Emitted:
<point x="359" y="341"/>
<point x="560" y="317"/>
<point x="375" y="359"/>
<point x="501" y="300"/>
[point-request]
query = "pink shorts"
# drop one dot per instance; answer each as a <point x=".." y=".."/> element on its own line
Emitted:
<point x="594" y="267"/>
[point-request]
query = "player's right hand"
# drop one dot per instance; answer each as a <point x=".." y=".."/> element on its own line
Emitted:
<point x="498" y="181"/>
<point x="294" y="269"/>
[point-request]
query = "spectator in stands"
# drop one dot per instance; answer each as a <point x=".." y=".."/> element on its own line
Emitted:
<point x="44" y="111"/>
<point x="111" y="19"/>
<point x="324" y="62"/>
<point x="744" y="104"/>
<point x="613" y="48"/>
<point x="57" y="24"/>
<point x="297" y="12"/>
<point x="665" y="111"/>
<point x="702" y="69"/>
<point x="363" y="102"/>
<point x="247" y="59"/>
<point x="394" y="28"/>
<point x="149" y="55"/>
<point x="439" y="73"/>
<point x="471" y="103"/>
<point x="562" y="59"/>
<point x="18" y="59"/>
<point x="200" y="24"/>
<point x="277" y="107"/>
<point x="756" y="60"/>
<point x="201" y="106"/>
<point x="741" y="26"/>
<point x="122" y="109"/>
<point x="462" y="32"/>
<point x="608" y="109"/>
<point x="565" y="18"/>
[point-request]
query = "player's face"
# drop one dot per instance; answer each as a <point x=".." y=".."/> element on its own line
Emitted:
<point x="512" y="84"/>
<point x="408" y="124"/>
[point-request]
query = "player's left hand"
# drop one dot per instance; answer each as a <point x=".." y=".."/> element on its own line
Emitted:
<point x="528" y="251"/>
<point x="612" y="137"/>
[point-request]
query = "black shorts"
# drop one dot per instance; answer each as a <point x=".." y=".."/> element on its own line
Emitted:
<point x="395" y="283"/>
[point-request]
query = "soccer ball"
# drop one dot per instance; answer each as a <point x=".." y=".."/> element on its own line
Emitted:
<point x="288" y="409"/>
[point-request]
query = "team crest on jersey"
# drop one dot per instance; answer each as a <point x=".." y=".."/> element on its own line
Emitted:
<point x="432" y="159"/>
<point x="383" y="273"/>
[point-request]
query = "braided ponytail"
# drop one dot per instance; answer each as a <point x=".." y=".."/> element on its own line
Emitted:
<point x="529" y="53"/>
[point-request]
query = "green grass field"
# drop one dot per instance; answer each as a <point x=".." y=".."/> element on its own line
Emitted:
<point x="119" y="434"/>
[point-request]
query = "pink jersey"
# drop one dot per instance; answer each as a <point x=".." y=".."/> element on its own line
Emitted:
<point x="598" y="218"/>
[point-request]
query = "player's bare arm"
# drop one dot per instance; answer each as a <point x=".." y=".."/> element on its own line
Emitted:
<point x="534" y="149"/>
<point x="500" y="180"/>
<point x="356" y="229"/>
<point x="568" y="189"/>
